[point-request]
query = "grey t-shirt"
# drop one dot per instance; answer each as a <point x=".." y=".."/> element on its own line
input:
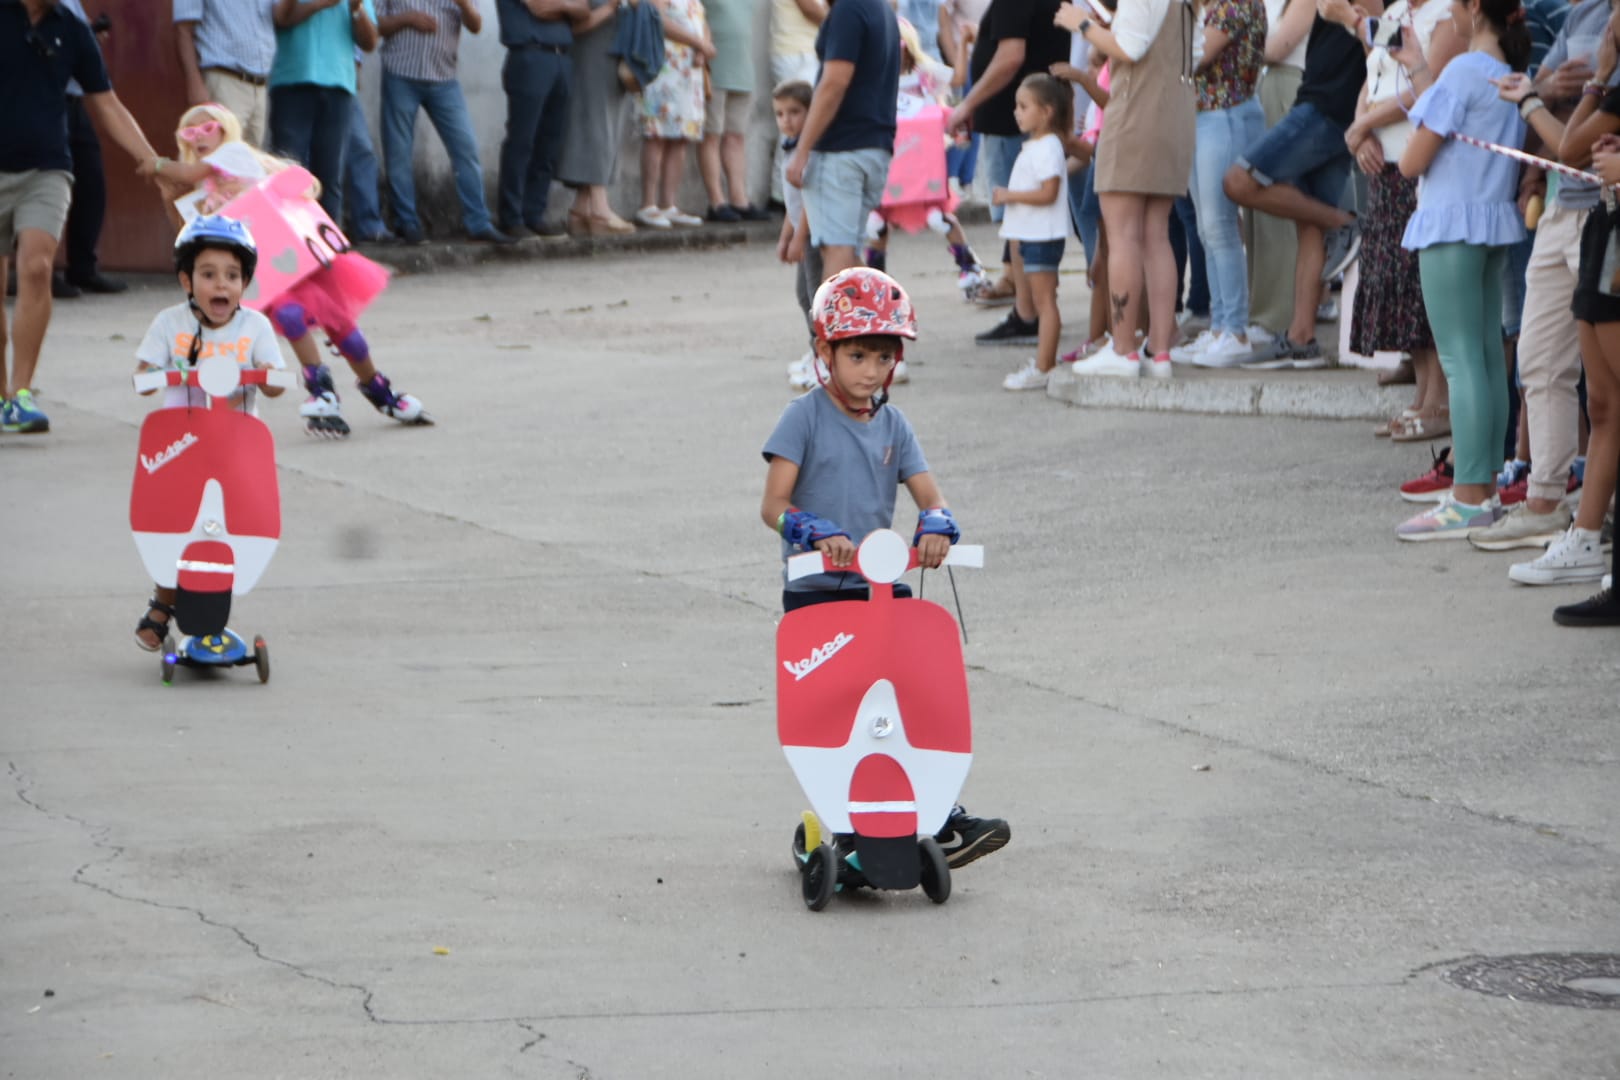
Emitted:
<point x="1586" y="19"/>
<point x="849" y="472"/>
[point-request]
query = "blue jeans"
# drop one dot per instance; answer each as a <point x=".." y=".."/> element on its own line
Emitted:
<point x="536" y="84"/>
<point x="1184" y="242"/>
<point x="963" y="161"/>
<point x="1223" y="135"/>
<point x="1086" y="211"/>
<point x="1304" y="149"/>
<point x="309" y="124"/>
<point x="360" y="192"/>
<point x="1000" y="152"/>
<point x="447" y="109"/>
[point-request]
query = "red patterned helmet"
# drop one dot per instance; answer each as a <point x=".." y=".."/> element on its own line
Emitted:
<point x="861" y="302"/>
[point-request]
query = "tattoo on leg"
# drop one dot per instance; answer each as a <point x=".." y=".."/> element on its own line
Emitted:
<point x="1120" y="300"/>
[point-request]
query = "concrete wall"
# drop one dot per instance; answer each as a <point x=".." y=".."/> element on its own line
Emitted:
<point x="481" y="59"/>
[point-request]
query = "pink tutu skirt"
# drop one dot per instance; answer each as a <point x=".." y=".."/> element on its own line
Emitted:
<point x="333" y="298"/>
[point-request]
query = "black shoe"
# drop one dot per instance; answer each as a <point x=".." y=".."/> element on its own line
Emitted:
<point x="1011" y="331"/>
<point x="97" y="282"/>
<point x="1600" y="609"/>
<point x="548" y="232"/>
<point x="965" y="838"/>
<point x="383" y="238"/>
<point x="726" y="215"/>
<point x="63" y="289"/>
<point x="750" y="212"/>
<point x="489" y="234"/>
<point x="516" y="232"/>
<point x="412" y="237"/>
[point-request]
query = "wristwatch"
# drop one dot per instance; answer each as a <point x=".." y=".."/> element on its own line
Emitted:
<point x="1085" y="27"/>
<point x="1529" y="105"/>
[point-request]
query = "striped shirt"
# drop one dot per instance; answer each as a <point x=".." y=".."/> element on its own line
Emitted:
<point x="238" y="35"/>
<point x="412" y="54"/>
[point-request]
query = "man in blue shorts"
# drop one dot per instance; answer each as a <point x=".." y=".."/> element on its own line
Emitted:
<point x="842" y="159"/>
<point x="1297" y="171"/>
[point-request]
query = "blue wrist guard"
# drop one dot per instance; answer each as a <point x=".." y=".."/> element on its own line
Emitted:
<point x="936" y="522"/>
<point x="802" y="528"/>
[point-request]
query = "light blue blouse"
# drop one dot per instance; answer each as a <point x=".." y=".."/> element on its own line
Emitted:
<point x="1468" y="194"/>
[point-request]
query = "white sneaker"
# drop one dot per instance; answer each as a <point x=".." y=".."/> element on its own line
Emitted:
<point x="1575" y="556"/>
<point x="1157" y="367"/>
<point x="806" y="378"/>
<point x="901" y="375"/>
<point x="1105" y="361"/>
<point x="1189" y="353"/>
<point x="1227" y="351"/>
<point x="1259" y="335"/>
<point x="676" y="216"/>
<point x="802" y="363"/>
<point x="1028" y="377"/>
<point x="652" y="217"/>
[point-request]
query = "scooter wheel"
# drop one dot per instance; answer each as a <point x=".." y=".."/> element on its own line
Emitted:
<point x="820" y="879"/>
<point x="168" y="669"/>
<point x="261" y="659"/>
<point x="798" y="845"/>
<point x="936" y="872"/>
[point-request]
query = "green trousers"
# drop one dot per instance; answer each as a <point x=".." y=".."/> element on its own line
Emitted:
<point x="1462" y="290"/>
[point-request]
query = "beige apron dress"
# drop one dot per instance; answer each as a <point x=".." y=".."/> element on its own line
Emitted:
<point x="1149" y="126"/>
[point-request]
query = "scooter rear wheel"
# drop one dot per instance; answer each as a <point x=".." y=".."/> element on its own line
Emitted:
<point x="936" y="872"/>
<point x="820" y="879"/>
<point x="261" y="659"/>
<point x="168" y="666"/>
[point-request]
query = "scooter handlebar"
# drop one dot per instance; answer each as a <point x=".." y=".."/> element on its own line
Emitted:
<point x="157" y="380"/>
<point x="814" y="562"/>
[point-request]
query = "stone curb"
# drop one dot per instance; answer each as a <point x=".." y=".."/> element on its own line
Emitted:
<point x="442" y="255"/>
<point x="445" y="255"/>
<point x="1337" y="394"/>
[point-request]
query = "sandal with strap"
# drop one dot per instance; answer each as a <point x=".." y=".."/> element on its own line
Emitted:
<point x="160" y="630"/>
<point x="1422" y="428"/>
<point x="1394" y="424"/>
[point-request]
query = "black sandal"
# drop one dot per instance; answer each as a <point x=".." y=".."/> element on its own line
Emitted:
<point x="161" y="629"/>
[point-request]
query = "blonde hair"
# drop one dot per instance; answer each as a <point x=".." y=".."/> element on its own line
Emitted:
<point x="231" y="128"/>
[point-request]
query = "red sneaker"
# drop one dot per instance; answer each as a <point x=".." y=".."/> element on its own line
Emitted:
<point x="1432" y="485"/>
<point x="1515" y="492"/>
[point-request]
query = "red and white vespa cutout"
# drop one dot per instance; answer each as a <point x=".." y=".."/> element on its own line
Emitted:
<point x="205" y="508"/>
<point x="872" y="713"/>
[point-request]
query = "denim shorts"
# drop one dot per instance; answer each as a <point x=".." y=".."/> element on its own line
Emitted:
<point x="1304" y="149"/>
<point x="1041" y="256"/>
<point x="840" y="190"/>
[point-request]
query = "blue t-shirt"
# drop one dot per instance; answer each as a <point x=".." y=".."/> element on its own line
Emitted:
<point x="865" y="33"/>
<point x="520" y="26"/>
<point x="1467" y="195"/>
<point x="36" y="64"/>
<point x="849" y="472"/>
<point x="319" y="50"/>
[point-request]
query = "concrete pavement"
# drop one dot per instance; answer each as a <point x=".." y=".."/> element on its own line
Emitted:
<point x="522" y="712"/>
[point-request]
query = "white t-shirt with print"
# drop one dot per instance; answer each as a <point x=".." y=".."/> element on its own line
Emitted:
<point x="1039" y="161"/>
<point x="248" y="338"/>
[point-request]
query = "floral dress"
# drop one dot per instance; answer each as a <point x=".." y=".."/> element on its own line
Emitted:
<point x="672" y="105"/>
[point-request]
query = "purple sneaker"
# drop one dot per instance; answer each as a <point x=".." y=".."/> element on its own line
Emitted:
<point x="1450" y="520"/>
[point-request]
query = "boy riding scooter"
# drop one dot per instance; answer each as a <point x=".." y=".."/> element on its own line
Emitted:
<point x="837" y="457"/>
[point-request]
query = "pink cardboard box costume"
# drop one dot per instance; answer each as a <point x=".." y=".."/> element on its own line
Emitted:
<point x="917" y="180"/>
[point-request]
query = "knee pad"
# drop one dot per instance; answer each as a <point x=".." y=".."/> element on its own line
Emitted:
<point x="874" y="225"/>
<point x="291" y="319"/>
<point x="352" y="346"/>
<point x="938" y="222"/>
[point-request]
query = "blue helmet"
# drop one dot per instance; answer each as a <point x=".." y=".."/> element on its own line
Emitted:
<point x="219" y="232"/>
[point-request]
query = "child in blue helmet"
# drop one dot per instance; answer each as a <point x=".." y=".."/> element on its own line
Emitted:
<point x="215" y="258"/>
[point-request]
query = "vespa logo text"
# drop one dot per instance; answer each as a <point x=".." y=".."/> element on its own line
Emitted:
<point x="818" y="656"/>
<point x="169" y="453"/>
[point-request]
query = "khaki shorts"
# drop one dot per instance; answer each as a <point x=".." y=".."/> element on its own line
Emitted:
<point x="36" y="199"/>
<point x="727" y="112"/>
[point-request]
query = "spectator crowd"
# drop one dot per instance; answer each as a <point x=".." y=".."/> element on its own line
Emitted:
<point x="1226" y="166"/>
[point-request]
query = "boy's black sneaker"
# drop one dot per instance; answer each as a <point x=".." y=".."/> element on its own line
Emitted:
<point x="1011" y="331"/>
<point x="965" y="838"/>
<point x="1600" y="609"/>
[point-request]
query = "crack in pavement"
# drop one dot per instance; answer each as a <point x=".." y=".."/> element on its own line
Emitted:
<point x="98" y="837"/>
<point x="1551" y="832"/>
